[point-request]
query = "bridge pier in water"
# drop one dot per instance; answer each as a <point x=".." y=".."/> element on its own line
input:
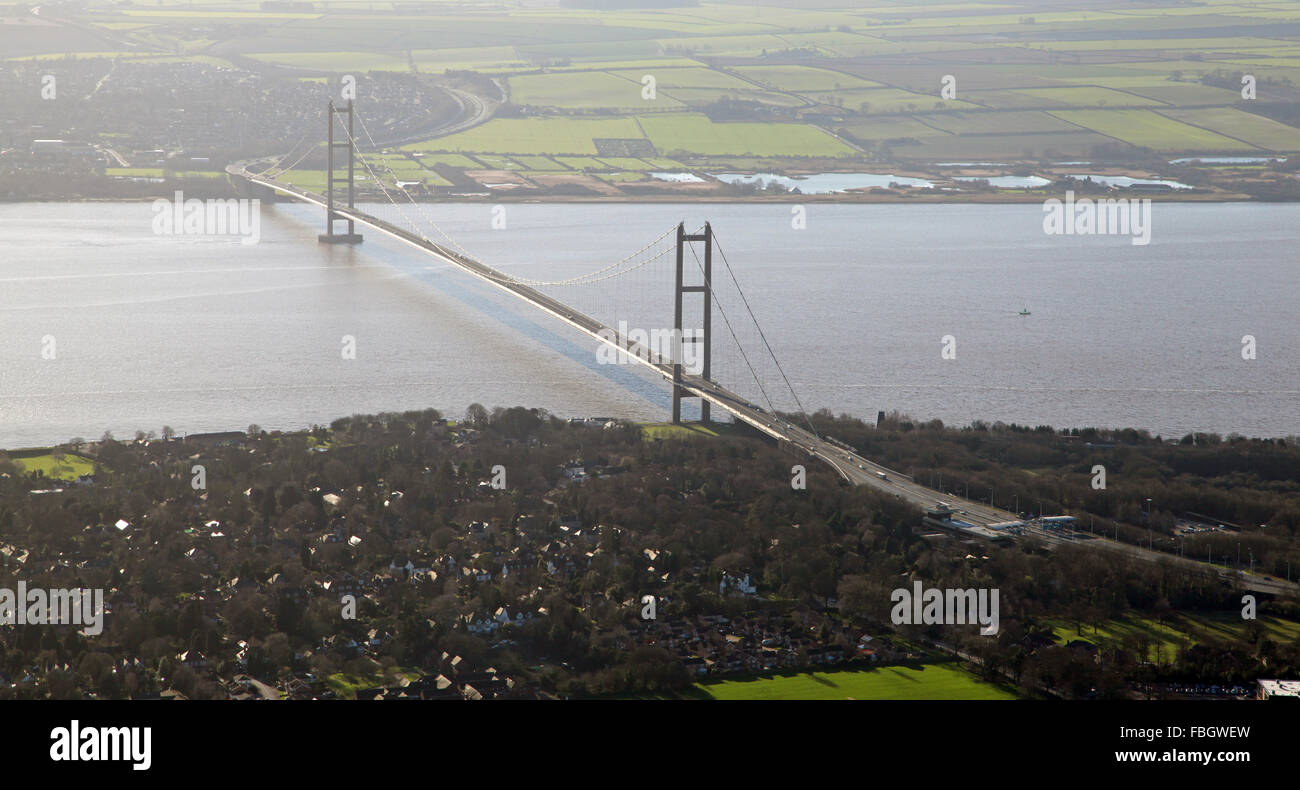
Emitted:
<point x="706" y="293"/>
<point x="329" y="236"/>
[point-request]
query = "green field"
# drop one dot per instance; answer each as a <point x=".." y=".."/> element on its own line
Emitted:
<point x="894" y="127"/>
<point x="583" y="90"/>
<point x="135" y="172"/>
<point x="1000" y="146"/>
<point x="1087" y="96"/>
<point x="1152" y="130"/>
<point x="667" y="430"/>
<point x="310" y="180"/>
<point x="698" y="135"/>
<point x="930" y="681"/>
<point x="703" y="97"/>
<point x="1176" y="94"/>
<point x="346" y="686"/>
<point x="70" y="467"/>
<point x="887" y="100"/>
<point x="1166" y="638"/>
<point x="691" y="77"/>
<point x="998" y="122"/>
<point x="1254" y="129"/>
<point x="581" y="162"/>
<point x="804" y="78"/>
<point x="542" y="163"/>
<point x="454" y="160"/>
<point x="496" y="162"/>
<point x="534" y="136"/>
<point x="623" y="163"/>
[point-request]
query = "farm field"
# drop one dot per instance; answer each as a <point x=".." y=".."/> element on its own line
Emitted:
<point x="455" y="160"/>
<point x="804" y="78"/>
<point x="534" y="136"/>
<point x="583" y="90"/>
<point x="697" y="134"/>
<point x="687" y="77"/>
<point x="1263" y="132"/>
<point x="998" y="122"/>
<point x="1050" y="145"/>
<point x="887" y="100"/>
<point x="767" y="83"/>
<point x="702" y="97"/>
<point x="1151" y="130"/>
<point x="896" y="127"/>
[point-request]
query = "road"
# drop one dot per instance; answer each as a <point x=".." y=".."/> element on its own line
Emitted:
<point x="852" y="467"/>
<point x="472" y="111"/>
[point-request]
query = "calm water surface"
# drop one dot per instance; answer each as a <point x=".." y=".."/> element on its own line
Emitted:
<point x="208" y="334"/>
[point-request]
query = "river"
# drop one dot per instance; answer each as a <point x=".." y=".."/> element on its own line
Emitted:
<point x="108" y="326"/>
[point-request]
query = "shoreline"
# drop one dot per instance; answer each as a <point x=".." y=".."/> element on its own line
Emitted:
<point x="271" y="431"/>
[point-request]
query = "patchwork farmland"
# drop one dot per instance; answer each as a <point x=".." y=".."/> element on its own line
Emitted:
<point x="652" y="99"/>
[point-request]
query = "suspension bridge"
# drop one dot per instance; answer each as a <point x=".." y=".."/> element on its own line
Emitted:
<point x="731" y="383"/>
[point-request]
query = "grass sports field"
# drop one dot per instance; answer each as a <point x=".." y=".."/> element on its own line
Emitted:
<point x="69" y="467"/>
<point x="1165" y="639"/>
<point x="929" y="681"/>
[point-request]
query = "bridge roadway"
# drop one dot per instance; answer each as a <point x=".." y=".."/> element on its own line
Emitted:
<point x="849" y="465"/>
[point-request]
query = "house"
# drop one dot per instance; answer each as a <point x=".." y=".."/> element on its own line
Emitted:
<point x="479" y="625"/>
<point x="737" y="586"/>
<point x="695" y="665"/>
<point x="194" y="659"/>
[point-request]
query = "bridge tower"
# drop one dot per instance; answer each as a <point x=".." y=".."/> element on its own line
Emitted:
<point x="329" y="236"/>
<point x="705" y="291"/>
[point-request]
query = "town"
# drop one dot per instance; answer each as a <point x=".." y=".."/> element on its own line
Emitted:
<point x="382" y="557"/>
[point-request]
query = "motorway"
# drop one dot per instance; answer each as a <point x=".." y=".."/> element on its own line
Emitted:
<point x="849" y="465"/>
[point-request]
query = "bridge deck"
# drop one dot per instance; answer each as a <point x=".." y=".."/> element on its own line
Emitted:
<point x="849" y="465"/>
<point x="975" y="516"/>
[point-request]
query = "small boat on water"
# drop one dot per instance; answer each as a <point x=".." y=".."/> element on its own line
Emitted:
<point x="1025" y="312"/>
